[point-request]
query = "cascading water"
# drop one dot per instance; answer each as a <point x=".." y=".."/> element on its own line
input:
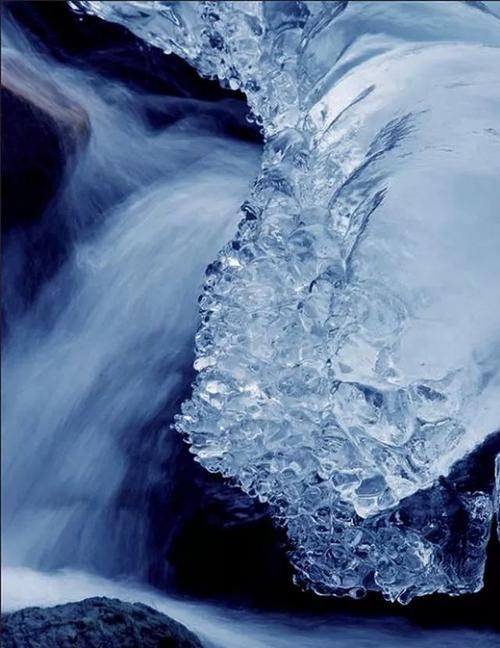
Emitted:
<point x="107" y="343"/>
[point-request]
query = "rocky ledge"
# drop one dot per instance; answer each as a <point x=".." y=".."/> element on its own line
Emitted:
<point x="94" y="623"/>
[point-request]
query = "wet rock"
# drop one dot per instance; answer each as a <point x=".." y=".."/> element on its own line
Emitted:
<point x="38" y="220"/>
<point x="94" y="623"/>
<point x="42" y="130"/>
<point x="113" y="52"/>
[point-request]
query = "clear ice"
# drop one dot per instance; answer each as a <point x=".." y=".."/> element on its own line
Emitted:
<point x="349" y="352"/>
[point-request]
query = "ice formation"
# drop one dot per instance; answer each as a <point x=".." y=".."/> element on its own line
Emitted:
<point x="349" y="353"/>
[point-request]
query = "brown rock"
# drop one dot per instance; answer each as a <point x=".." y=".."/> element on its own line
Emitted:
<point x="42" y="131"/>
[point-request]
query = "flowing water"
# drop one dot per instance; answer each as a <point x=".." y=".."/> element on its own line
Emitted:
<point x="108" y="341"/>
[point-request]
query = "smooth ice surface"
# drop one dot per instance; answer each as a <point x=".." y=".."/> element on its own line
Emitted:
<point x="350" y="346"/>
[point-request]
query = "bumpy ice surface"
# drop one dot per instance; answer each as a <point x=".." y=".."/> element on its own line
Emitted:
<point x="350" y="343"/>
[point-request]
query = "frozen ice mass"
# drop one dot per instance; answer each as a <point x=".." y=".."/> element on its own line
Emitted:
<point x="349" y="350"/>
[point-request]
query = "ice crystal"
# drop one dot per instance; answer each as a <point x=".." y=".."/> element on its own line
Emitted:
<point x="350" y="339"/>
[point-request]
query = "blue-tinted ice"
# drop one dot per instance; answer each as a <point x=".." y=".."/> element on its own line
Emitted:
<point x="350" y="346"/>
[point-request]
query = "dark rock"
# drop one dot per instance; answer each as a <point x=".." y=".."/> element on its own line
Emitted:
<point x="224" y="543"/>
<point x="94" y="623"/>
<point x="113" y="52"/>
<point x="37" y="219"/>
<point x="42" y="130"/>
<point x="203" y="536"/>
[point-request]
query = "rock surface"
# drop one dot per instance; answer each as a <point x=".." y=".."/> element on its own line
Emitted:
<point x="94" y="623"/>
<point x="42" y="131"/>
<point x="170" y="88"/>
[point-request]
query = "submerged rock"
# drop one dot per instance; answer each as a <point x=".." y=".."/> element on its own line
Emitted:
<point x="42" y="132"/>
<point x="95" y="623"/>
<point x="57" y="69"/>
